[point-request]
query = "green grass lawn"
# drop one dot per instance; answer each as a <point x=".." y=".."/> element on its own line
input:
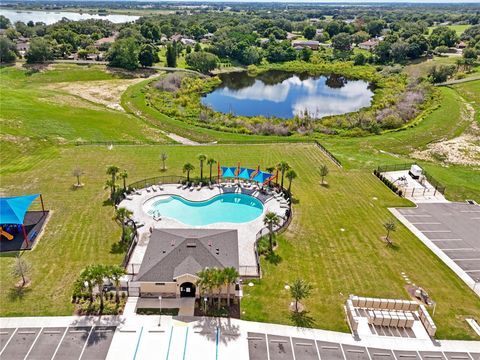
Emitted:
<point x="459" y="29"/>
<point x="39" y="125"/>
<point x="81" y="232"/>
<point x="34" y="115"/>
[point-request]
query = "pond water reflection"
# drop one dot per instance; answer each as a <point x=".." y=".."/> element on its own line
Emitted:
<point x="285" y="95"/>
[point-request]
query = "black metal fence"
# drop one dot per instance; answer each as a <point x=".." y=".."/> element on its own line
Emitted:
<point x="328" y="153"/>
<point x="133" y="243"/>
<point x="166" y="179"/>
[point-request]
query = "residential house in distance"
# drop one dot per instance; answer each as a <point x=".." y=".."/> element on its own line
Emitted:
<point x="300" y="44"/>
<point x="186" y="41"/>
<point x="369" y="44"/>
<point x="173" y="258"/>
<point x="22" y="44"/>
<point x="291" y="36"/>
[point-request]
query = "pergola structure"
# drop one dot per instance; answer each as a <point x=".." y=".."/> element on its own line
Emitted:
<point x="13" y="210"/>
<point x="238" y="172"/>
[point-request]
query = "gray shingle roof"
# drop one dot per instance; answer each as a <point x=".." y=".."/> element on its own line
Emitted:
<point x="174" y="252"/>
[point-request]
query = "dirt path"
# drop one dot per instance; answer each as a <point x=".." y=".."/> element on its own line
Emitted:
<point x="103" y="92"/>
<point x="461" y="150"/>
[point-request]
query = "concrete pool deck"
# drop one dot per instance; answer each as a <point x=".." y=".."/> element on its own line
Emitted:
<point x="247" y="232"/>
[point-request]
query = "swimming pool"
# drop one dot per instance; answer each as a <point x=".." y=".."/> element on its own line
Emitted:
<point x="229" y="208"/>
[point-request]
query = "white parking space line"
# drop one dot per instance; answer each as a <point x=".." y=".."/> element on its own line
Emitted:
<point x="426" y="223"/>
<point x="33" y="343"/>
<point x="470" y="211"/>
<point x="459" y="249"/>
<point x="446" y="239"/>
<point x="86" y="342"/>
<point x="469" y="271"/>
<point x="418" y="215"/>
<point x="466" y="259"/>
<point x="435" y="231"/>
<point x="6" y="344"/>
<point x="61" y="340"/>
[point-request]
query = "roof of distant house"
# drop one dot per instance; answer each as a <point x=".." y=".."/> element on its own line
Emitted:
<point x="171" y="253"/>
<point x="305" y="42"/>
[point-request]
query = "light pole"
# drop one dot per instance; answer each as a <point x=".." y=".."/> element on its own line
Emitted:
<point x="160" y="313"/>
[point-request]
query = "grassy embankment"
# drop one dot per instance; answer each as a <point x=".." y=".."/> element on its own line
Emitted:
<point x="35" y="116"/>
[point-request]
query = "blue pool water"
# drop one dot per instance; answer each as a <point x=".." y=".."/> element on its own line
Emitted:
<point x="231" y="208"/>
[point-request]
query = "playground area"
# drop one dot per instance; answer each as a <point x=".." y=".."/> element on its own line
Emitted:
<point x="20" y="229"/>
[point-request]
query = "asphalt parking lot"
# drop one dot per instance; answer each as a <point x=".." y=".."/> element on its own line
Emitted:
<point x="454" y="228"/>
<point x="62" y="343"/>
<point x="272" y="347"/>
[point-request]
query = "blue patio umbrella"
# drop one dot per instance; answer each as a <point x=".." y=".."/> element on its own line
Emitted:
<point x="228" y="172"/>
<point x="261" y="177"/>
<point x="245" y="173"/>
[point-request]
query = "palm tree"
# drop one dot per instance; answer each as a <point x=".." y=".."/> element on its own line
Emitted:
<point x="124" y="175"/>
<point x="211" y="162"/>
<point x="187" y="168"/>
<point x="121" y="216"/>
<point x="219" y="282"/>
<point x="389" y="226"/>
<point x="230" y="276"/>
<point x="115" y="272"/>
<point x="299" y="290"/>
<point x="98" y="273"/>
<point x="201" y="158"/>
<point x="270" y="169"/>
<point x="205" y="282"/>
<point x="87" y="280"/>
<point x="290" y="174"/>
<point x="283" y="167"/>
<point x="323" y="171"/>
<point x="163" y="157"/>
<point x="77" y="172"/>
<point x="270" y="220"/>
<point x="112" y="170"/>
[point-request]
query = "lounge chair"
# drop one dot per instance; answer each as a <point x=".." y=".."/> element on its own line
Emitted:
<point x="192" y="187"/>
<point x="179" y="185"/>
<point x="154" y="188"/>
<point x="210" y="185"/>
<point x="128" y="197"/>
<point x="148" y="189"/>
<point x="159" y="187"/>
<point x="199" y="187"/>
<point x="184" y="187"/>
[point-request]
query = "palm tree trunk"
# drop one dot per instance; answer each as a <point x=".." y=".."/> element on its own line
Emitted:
<point x="90" y="293"/>
<point x="283" y="173"/>
<point x="78" y="180"/>
<point x="188" y="176"/>
<point x="23" y="279"/>
<point x="124" y="184"/>
<point x="228" y="295"/>
<point x="289" y="186"/>
<point x="219" y="298"/>
<point x="117" y="297"/>
<point x="201" y="170"/>
<point x="296" y="305"/>
<point x="101" y="300"/>
<point x="210" y="172"/>
<point x="270" y="237"/>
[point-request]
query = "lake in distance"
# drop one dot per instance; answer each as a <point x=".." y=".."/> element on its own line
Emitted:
<point x="286" y="95"/>
<point x="51" y="17"/>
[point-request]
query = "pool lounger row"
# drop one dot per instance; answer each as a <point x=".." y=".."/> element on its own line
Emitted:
<point x="390" y="318"/>
<point x="383" y="304"/>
